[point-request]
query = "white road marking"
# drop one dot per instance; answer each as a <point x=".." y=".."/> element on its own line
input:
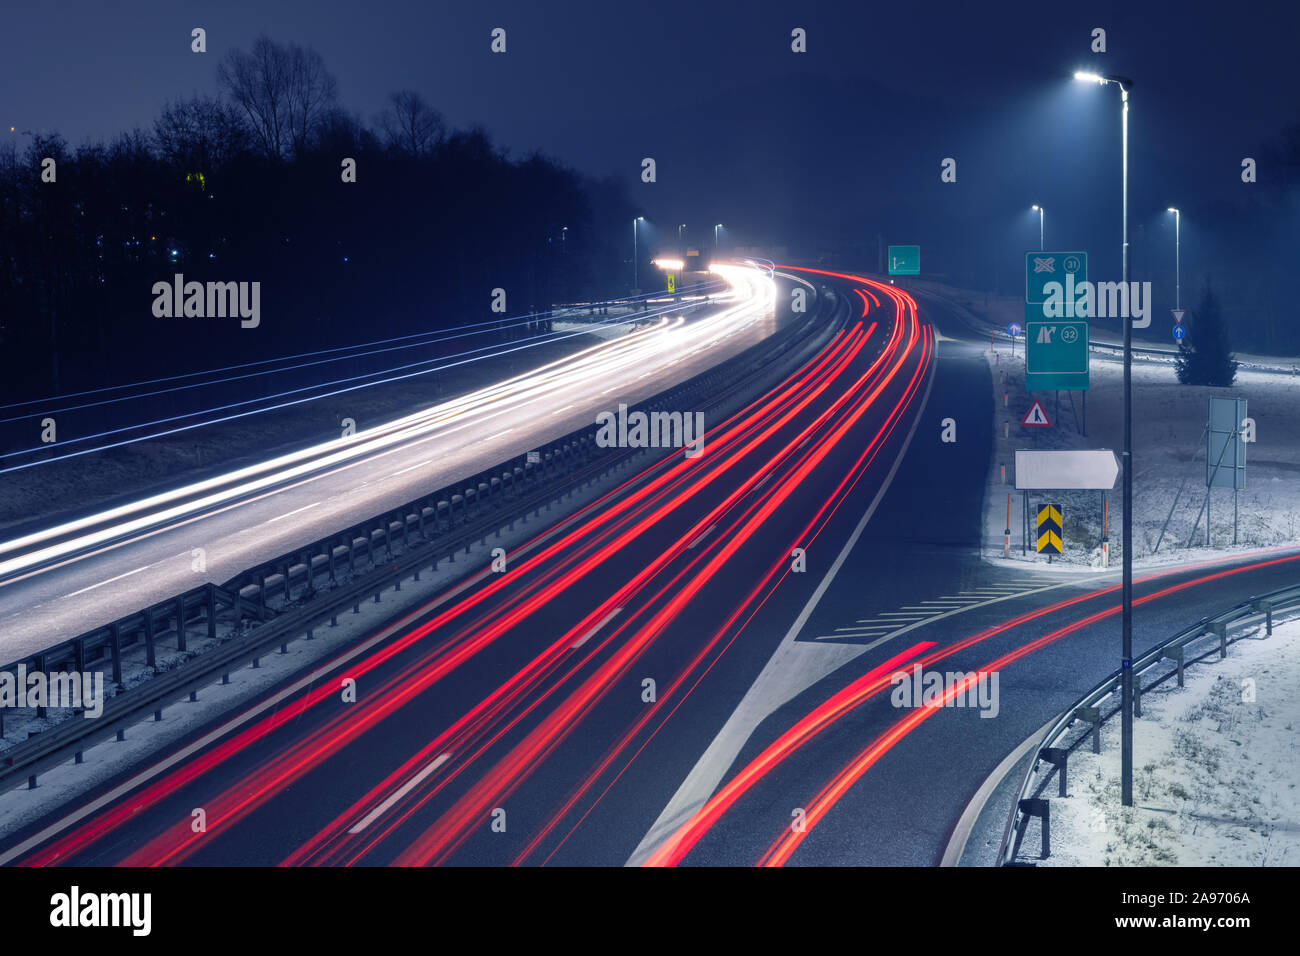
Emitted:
<point x="966" y="822"/>
<point x="793" y="667"/>
<point x="110" y="580"/>
<point x="588" y="636"/>
<point x="961" y="610"/>
<point x="421" y="464"/>
<point x="402" y="791"/>
<point x="269" y="703"/>
<point x="290" y="514"/>
<point x="703" y="534"/>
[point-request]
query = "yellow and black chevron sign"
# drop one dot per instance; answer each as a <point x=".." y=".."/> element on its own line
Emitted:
<point x="1049" y="529"/>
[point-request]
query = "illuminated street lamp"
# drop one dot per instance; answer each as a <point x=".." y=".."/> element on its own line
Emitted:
<point x="1039" y="210"/>
<point x="1126" y="661"/>
<point x="1178" y="281"/>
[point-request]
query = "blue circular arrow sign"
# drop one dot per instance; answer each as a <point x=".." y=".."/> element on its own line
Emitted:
<point x="1179" y="332"/>
<point x="1013" y="330"/>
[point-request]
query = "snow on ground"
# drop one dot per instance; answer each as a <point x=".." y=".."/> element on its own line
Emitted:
<point x="1214" y="771"/>
<point x="1169" y="456"/>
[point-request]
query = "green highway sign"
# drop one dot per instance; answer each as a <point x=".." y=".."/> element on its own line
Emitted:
<point x="1056" y="353"/>
<point x="1044" y="267"/>
<point x="904" y="260"/>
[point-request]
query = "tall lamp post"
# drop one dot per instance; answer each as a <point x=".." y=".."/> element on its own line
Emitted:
<point x="1126" y="661"/>
<point x="715" y="237"/>
<point x="1039" y="210"/>
<point x="1178" y="277"/>
<point x="635" y="276"/>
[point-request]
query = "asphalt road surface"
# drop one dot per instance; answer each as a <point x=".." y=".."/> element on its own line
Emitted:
<point x="693" y="670"/>
<point x="63" y="581"/>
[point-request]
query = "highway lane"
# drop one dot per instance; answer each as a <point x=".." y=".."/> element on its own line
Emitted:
<point x="906" y="774"/>
<point x="527" y="697"/>
<point x="62" y="581"/>
<point x="723" y="517"/>
<point x="878" y="784"/>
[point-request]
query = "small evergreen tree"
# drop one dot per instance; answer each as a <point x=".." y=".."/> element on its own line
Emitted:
<point x="1205" y="355"/>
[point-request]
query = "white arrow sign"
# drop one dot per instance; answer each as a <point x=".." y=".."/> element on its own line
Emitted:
<point x="1066" y="470"/>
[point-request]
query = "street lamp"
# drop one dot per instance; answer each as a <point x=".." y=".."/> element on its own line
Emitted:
<point x="715" y="236"/>
<point x="1039" y="210"/>
<point x="635" y="277"/>
<point x="679" y="233"/>
<point x="1178" y="282"/>
<point x="1126" y="661"/>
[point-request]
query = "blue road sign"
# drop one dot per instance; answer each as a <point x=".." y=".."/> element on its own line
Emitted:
<point x="1179" y="332"/>
<point x="1013" y="330"/>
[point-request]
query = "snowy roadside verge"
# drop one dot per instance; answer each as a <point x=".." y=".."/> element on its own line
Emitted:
<point x="1169" y="455"/>
<point x="1216" y="777"/>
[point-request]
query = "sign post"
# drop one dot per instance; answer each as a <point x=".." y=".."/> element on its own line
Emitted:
<point x="1093" y="469"/>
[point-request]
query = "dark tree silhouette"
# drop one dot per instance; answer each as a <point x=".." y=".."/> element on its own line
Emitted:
<point x="1205" y="355"/>
<point x="247" y="187"/>
<point x="283" y="90"/>
<point x="199" y="134"/>
<point x="410" y="126"/>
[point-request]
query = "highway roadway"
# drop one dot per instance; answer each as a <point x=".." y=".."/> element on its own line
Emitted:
<point x="59" y="581"/>
<point x="693" y="670"/>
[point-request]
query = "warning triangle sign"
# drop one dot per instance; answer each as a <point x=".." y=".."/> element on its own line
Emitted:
<point x="1036" y="416"/>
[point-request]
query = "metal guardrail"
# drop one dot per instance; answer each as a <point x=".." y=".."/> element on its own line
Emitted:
<point x="491" y="497"/>
<point x="1030" y="803"/>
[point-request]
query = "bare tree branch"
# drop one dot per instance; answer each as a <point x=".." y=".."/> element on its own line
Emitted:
<point x="410" y="125"/>
<point x="283" y="91"/>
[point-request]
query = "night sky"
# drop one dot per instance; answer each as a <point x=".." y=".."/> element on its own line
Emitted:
<point x="832" y="146"/>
